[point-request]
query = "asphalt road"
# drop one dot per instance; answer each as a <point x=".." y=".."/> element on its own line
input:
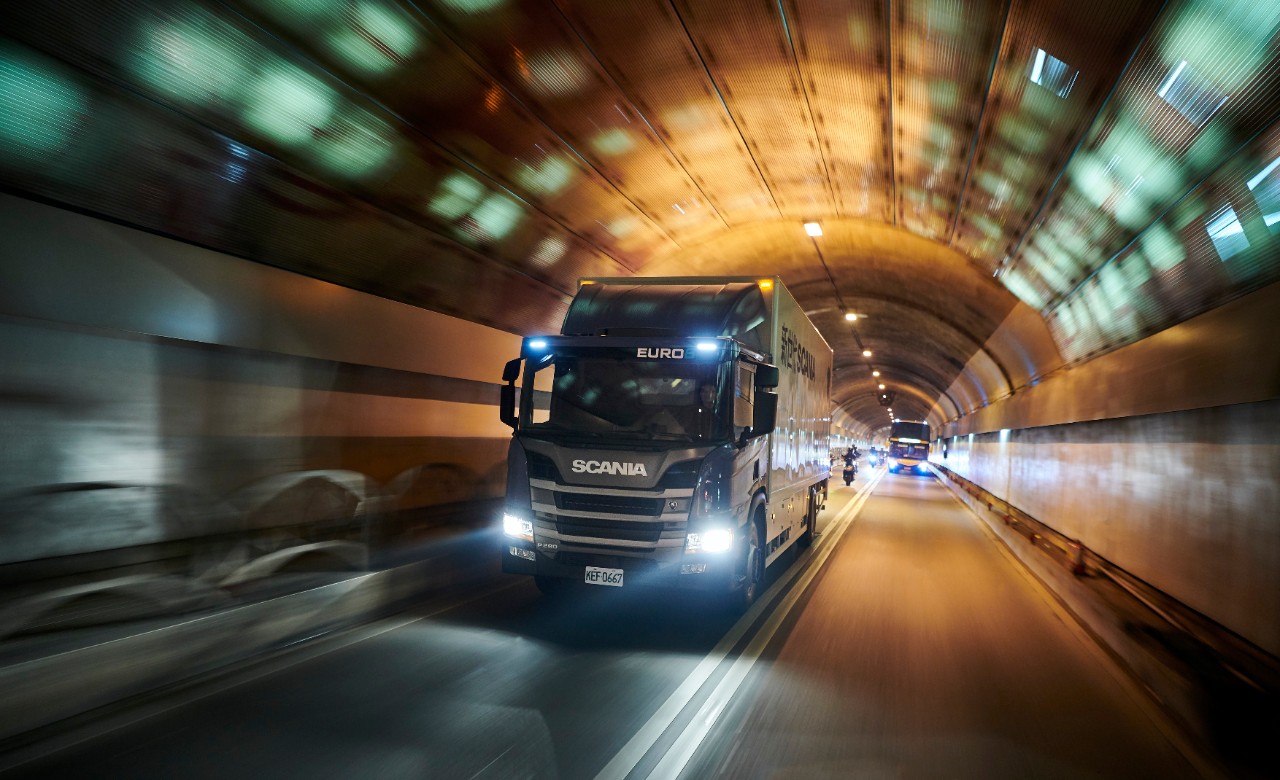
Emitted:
<point x="918" y="649"/>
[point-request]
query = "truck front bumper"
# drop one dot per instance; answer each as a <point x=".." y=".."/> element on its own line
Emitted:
<point x="709" y="572"/>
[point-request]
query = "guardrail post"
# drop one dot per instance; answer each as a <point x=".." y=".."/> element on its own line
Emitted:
<point x="1078" y="567"/>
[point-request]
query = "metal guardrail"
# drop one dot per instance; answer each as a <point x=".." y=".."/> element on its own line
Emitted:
<point x="1229" y="667"/>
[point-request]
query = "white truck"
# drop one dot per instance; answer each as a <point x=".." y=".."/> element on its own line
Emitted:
<point x="674" y="433"/>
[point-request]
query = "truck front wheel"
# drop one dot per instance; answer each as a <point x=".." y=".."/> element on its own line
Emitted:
<point x="752" y="565"/>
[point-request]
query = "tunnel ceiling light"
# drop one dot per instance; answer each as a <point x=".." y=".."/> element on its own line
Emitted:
<point x="875" y="373"/>
<point x="851" y="317"/>
<point x="866" y="353"/>
<point x="882" y="387"/>
<point x="813" y="229"/>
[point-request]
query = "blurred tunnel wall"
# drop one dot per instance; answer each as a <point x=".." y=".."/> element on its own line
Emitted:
<point x="155" y="391"/>
<point x="1162" y="457"/>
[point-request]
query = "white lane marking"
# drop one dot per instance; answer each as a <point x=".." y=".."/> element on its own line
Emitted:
<point x="281" y="659"/>
<point x="639" y="745"/>
<point x="687" y="744"/>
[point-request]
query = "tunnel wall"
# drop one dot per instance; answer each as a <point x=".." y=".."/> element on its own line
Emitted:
<point x="1185" y="500"/>
<point x="1162" y="457"/>
<point x="154" y="391"/>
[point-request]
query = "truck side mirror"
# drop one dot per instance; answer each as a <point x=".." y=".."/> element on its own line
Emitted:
<point x="765" y="414"/>
<point x="766" y="376"/>
<point x="507" y="396"/>
<point x="511" y="370"/>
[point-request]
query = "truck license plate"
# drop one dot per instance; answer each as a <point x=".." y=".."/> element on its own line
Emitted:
<point x="598" y="576"/>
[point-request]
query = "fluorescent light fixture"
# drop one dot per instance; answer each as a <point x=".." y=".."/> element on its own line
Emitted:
<point x="1227" y="233"/>
<point x="813" y="229"/>
<point x="1052" y="73"/>
<point x="1191" y="95"/>
<point x="1253" y="183"/>
<point x="1037" y="69"/>
<point x="1173" y="76"/>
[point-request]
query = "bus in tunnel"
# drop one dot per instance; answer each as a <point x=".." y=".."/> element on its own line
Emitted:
<point x="908" y="450"/>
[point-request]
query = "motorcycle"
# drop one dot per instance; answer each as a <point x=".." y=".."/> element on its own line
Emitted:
<point x="850" y="472"/>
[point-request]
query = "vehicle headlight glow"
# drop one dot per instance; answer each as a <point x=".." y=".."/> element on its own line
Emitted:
<point x="893" y="462"/>
<point x="707" y="346"/>
<point x="714" y="540"/>
<point x="518" y="527"/>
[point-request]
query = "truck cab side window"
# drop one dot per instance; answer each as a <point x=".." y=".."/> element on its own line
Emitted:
<point x="745" y="396"/>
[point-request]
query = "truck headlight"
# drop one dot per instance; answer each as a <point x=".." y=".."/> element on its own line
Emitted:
<point x="715" y="540"/>
<point x="518" y="527"/>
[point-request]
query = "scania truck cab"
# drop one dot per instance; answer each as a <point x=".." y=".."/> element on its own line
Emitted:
<point x="674" y="433"/>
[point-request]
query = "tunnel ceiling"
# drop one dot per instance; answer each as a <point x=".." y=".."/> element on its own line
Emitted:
<point x="1112" y="165"/>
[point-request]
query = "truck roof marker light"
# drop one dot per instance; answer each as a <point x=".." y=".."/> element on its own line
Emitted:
<point x="765" y="284"/>
<point x="582" y="282"/>
<point x="813" y="229"/>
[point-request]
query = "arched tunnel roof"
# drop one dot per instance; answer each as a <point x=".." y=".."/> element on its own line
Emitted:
<point x="1002" y="186"/>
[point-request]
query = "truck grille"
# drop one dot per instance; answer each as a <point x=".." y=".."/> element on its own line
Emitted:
<point x="617" y="520"/>
<point x="610" y="529"/>
<point x="618" y="505"/>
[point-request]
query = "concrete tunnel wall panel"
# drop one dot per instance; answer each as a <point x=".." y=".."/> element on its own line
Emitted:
<point x="150" y="405"/>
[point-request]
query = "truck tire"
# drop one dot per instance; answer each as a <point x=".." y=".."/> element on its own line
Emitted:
<point x="752" y="565"/>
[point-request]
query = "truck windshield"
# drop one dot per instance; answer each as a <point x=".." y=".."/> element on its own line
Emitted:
<point x="614" y="395"/>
